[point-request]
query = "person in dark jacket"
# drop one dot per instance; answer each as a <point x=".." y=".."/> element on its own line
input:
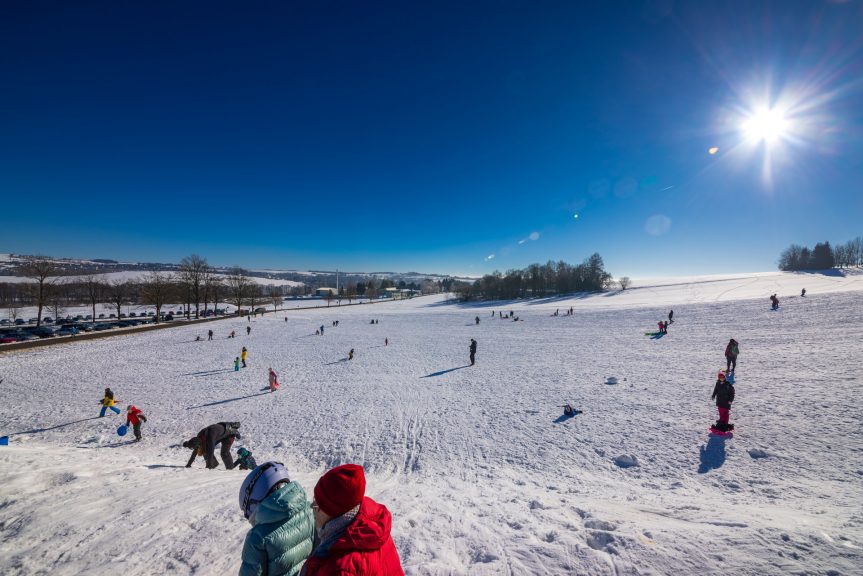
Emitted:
<point x="472" y="351"/>
<point x="731" y="352"/>
<point x="671" y="316"/>
<point x="723" y="393"/>
<point x="204" y="444"/>
<point x="352" y="530"/>
<point x="774" y="302"/>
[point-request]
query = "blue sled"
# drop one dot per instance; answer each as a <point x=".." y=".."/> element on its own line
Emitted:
<point x="121" y="431"/>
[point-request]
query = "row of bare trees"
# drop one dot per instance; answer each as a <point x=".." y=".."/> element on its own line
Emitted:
<point x="195" y="284"/>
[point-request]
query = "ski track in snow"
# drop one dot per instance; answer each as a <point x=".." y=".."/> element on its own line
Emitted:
<point x="482" y="474"/>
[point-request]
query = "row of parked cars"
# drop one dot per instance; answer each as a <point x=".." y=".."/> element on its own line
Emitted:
<point x="67" y="328"/>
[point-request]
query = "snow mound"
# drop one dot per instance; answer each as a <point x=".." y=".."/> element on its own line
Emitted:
<point x="757" y="453"/>
<point x="626" y="461"/>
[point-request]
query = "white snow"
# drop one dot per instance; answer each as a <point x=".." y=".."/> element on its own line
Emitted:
<point x="480" y="470"/>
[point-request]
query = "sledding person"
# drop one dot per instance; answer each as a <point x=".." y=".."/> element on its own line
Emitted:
<point x="244" y="355"/>
<point x="472" y="351"/>
<point x="107" y="403"/>
<point x="135" y="417"/>
<point x="283" y="525"/>
<point x="245" y="460"/>
<point x="723" y="393"/>
<point x="237" y="364"/>
<point x="204" y="444"/>
<point x="731" y="352"/>
<point x="568" y="410"/>
<point x="273" y="380"/>
<point x="352" y="530"/>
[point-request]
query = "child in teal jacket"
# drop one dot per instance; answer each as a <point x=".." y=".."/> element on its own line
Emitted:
<point x="283" y="523"/>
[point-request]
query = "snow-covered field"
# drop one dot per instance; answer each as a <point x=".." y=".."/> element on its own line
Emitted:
<point x="482" y="474"/>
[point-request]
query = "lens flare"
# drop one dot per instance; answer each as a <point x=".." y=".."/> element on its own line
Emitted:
<point x="767" y="125"/>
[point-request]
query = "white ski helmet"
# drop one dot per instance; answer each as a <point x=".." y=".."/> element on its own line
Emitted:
<point x="259" y="484"/>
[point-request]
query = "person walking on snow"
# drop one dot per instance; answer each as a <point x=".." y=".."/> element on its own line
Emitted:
<point x="803" y="292"/>
<point x="244" y="355"/>
<point x="775" y="302"/>
<point x="731" y="352"/>
<point x="351" y="354"/>
<point x="723" y="393"/>
<point x="274" y="380"/>
<point x="248" y="330"/>
<point x="671" y="316"/>
<point x="476" y="320"/>
<point x="237" y="364"/>
<point x="322" y="329"/>
<point x="386" y="341"/>
<point x="107" y="403"/>
<point x="472" y="351"/>
<point x="135" y="417"/>
<point x="661" y="327"/>
<point x="204" y="444"/>
<point x="209" y="334"/>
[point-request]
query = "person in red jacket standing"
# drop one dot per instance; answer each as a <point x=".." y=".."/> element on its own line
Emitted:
<point x="352" y="530"/>
<point x="135" y="417"/>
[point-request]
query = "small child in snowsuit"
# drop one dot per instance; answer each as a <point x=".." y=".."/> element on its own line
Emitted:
<point x="248" y="330"/>
<point x="135" y="417"/>
<point x="661" y="328"/>
<point x="108" y="403"/>
<point x="723" y="393"/>
<point x="351" y="354"/>
<point x="244" y="355"/>
<point x="245" y="460"/>
<point x="237" y="364"/>
<point x="273" y="380"/>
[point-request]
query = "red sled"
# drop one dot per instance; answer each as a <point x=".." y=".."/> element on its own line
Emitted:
<point x="719" y="432"/>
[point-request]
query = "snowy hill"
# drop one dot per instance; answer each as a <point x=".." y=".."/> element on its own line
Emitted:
<point x="480" y="471"/>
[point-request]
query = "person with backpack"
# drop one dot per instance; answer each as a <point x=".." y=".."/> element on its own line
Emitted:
<point x="723" y="393"/>
<point x="135" y="417"/>
<point x="107" y="403"/>
<point x="283" y="525"/>
<point x="731" y="352"/>
<point x="205" y="442"/>
<point x="245" y="460"/>
<point x="472" y="351"/>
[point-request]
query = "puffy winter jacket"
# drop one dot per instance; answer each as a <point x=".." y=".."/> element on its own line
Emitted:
<point x="135" y="416"/>
<point x="283" y="535"/>
<point x="731" y="351"/>
<point x="366" y="547"/>
<point x="723" y="392"/>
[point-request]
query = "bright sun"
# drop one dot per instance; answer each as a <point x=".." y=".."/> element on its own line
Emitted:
<point x="768" y="125"/>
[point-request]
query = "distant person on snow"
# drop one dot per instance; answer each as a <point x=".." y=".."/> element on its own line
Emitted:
<point x="322" y="329"/>
<point x="386" y="341"/>
<point x="248" y="330"/>
<point x="472" y="351"/>
<point x="283" y="524"/>
<point x="209" y="334"/>
<point x="135" y="417"/>
<point x="803" y="292"/>
<point x="661" y="327"/>
<point x="477" y="320"/>
<point x="107" y="403"/>
<point x="233" y="334"/>
<point x="351" y="354"/>
<point x="244" y="355"/>
<point x="723" y="393"/>
<point x="665" y="326"/>
<point x="352" y="530"/>
<point x="273" y="380"/>
<point x="775" y="302"/>
<point x="237" y="364"/>
<point x="245" y="460"/>
<point x="204" y="444"/>
<point x="731" y="352"/>
<point x="671" y="316"/>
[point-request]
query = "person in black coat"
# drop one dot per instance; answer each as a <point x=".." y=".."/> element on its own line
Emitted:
<point x="723" y="393"/>
<point x="472" y="351"/>
<point x="204" y="444"/>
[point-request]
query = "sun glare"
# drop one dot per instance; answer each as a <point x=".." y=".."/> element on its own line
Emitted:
<point x="768" y="125"/>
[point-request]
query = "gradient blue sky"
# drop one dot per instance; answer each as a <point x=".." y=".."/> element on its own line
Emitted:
<point x="429" y="136"/>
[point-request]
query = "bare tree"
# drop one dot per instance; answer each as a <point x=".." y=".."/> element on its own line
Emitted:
<point x="238" y="287"/>
<point x="625" y="282"/>
<point x="212" y="288"/>
<point x="157" y="290"/>
<point x="94" y="287"/>
<point x="329" y="297"/>
<point x="351" y="291"/>
<point x="41" y="270"/>
<point x="371" y="289"/>
<point x="55" y="299"/>
<point x="253" y="294"/>
<point x="192" y="273"/>
<point x="275" y="294"/>
<point x="117" y="292"/>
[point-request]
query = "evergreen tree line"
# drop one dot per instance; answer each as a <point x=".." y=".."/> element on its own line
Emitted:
<point x="822" y="256"/>
<point x="539" y="280"/>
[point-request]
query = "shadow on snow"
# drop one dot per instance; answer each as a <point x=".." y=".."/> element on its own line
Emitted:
<point x="712" y="454"/>
<point x="445" y="371"/>
<point x="38" y="430"/>
<point x="228" y="400"/>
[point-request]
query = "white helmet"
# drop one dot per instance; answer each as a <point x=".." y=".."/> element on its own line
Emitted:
<point x="259" y="484"/>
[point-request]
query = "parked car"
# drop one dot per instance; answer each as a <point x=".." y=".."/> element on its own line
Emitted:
<point x="111" y="316"/>
<point x="33" y="321"/>
<point x="88" y="317"/>
<point x="86" y="327"/>
<point x="20" y="322"/>
<point x="7" y="339"/>
<point x="23" y="336"/>
<point x="101" y="316"/>
<point x="132" y="314"/>
<point x="5" y="322"/>
<point x="67" y="330"/>
<point x="43" y="331"/>
<point x="102" y="326"/>
<point x="47" y="320"/>
<point x="260" y="310"/>
<point x="168" y="318"/>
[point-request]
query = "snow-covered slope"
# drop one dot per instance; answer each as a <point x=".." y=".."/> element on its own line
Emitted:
<point x="481" y="473"/>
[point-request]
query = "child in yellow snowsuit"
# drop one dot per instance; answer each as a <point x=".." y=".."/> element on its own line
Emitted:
<point x="108" y="403"/>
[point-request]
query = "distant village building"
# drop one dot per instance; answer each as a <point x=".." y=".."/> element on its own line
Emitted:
<point x="324" y="292"/>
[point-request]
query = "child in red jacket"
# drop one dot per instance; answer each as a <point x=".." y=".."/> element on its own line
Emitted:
<point x="135" y="417"/>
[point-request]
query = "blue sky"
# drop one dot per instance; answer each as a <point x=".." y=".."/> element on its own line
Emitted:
<point x="430" y="136"/>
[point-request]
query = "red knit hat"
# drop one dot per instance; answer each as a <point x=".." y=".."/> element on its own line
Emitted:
<point x="340" y="489"/>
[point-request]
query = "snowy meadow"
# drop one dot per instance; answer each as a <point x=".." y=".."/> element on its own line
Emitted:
<point x="480" y="470"/>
